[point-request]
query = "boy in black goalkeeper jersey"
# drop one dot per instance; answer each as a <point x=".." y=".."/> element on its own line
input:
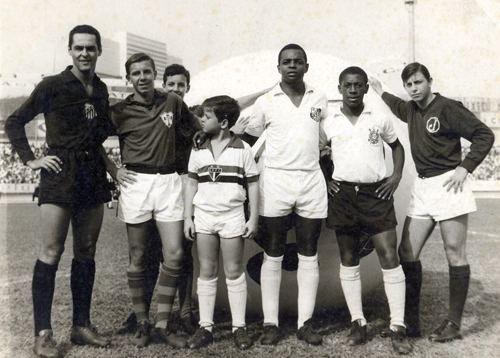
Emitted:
<point x="441" y="193"/>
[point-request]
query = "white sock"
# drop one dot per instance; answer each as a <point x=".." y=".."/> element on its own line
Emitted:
<point x="207" y="291"/>
<point x="237" y="294"/>
<point x="270" y="281"/>
<point x="307" y="280"/>
<point x="350" y="280"/>
<point x="395" y="289"/>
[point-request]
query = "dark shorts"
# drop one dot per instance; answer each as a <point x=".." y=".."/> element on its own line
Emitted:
<point x="81" y="183"/>
<point x="356" y="208"/>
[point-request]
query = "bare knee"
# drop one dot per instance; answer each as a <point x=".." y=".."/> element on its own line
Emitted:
<point x="85" y="251"/>
<point x="51" y="254"/>
<point x="233" y="270"/>
<point x="208" y="270"/>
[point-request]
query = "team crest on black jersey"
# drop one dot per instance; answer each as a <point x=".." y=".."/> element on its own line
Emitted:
<point x="214" y="172"/>
<point x="167" y="118"/>
<point x="315" y="114"/>
<point x="374" y="136"/>
<point x="89" y="111"/>
<point x="433" y="125"/>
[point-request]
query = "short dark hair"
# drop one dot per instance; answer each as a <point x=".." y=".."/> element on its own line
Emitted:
<point x="138" y="57"/>
<point x="85" y="29"/>
<point x="224" y="107"/>
<point x="413" y="68"/>
<point x="292" y="47"/>
<point x="176" y="69"/>
<point x="353" y="70"/>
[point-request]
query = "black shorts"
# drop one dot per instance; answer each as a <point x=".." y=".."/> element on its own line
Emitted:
<point x="81" y="183"/>
<point x="357" y="208"/>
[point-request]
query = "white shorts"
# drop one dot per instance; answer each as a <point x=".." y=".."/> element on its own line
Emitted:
<point x="284" y="191"/>
<point x="153" y="196"/>
<point x="430" y="200"/>
<point x="226" y="224"/>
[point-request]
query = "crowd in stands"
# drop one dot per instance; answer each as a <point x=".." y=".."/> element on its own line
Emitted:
<point x="12" y="169"/>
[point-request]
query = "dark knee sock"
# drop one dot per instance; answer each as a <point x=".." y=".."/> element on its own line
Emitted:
<point x="43" y="285"/>
<point x="413" y="274"/>
<point x="82" y="284"/>
<point x="153" y="270"/>
<point x="185" y="287"/>
<point x="459" y="286"/>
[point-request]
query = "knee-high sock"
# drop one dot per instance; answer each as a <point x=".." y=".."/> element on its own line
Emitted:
<point x="270" y="281"/>
<point x="395" y="288"/>
<point x="42" y="287"/>
<point x="137" y="287"/>
<point x="167" y="288"/>
<point x="237" y="294"/>
<point x="350" y="281"/>
<point x="207" y="291"/>
<point x="413" y="276"/>
<point x="307" y="280"/>
<point x="185" y="288"/>
<point x="82" y="284"/>
<point x="459" y="286"/>
<point x="151" y="277"/>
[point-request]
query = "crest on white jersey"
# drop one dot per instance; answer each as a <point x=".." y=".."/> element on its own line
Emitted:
<point x="374" y="136"/>
<point x="315" y="113"/>
<point x="433" y="125"/>
<point x="214" y="172"/>
<point x="89" y="112"/>
<point x="167" y="118"/>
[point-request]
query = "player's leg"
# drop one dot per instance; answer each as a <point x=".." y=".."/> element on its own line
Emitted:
<point x="395" y="287"/>
<point x="415" y="235"/>
<point x="454" y="233"/>
<point x="350" y="281"/>
<point x="172" y="234"/>
<point x="270" y="276"/>
<point x="55" y="224"/>
<point x="307" y="233"/>
<point x="208" y="254"/>
<point x="86" y="223"/>
<point x="185" y="289"/>
<point x="232" y="253"/>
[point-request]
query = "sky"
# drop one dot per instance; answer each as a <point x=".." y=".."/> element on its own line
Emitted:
<point x="458" y="40"/>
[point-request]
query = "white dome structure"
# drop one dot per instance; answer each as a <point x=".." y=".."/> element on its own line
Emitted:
<point x="243" y="75"/>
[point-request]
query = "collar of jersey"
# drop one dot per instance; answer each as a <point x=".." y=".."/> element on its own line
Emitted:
<point x="234" y="142"/>
<point x="338" y="112"/>
<point x="277" y="89"/>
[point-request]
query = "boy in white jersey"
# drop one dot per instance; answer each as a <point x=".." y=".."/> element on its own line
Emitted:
<point x="361" y="201"/>
<point x="291" y="181"/>
<point x="218" y="172"/>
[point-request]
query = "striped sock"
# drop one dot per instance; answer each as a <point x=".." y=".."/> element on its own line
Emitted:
<point x="167" y="288"/>
<point x="136" y="284"/>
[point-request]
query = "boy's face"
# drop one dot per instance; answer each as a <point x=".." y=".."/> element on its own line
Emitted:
<point x="292" y="66"/>
<point x="353" y="89"/>
<point x="177" y="84"/>
<point x="418" y="87"/>
<point x="210" y="122"/>
<point x="84" y="52"/>
<point x="142" y="76"/>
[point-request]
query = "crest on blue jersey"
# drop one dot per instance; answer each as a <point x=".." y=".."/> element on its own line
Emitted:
<point x="374" y="136"/>
<point x="214" y="172"/>
<point x="89" y="111"/>
<point x="433" y="125"/>
<point x="315" y="114"/>
<point x="167" y="118"/>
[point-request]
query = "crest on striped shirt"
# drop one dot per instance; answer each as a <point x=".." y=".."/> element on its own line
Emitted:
<point x="214" y="172"/>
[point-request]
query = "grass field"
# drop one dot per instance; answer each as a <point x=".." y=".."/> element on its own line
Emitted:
<point x="19" y="225"/>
